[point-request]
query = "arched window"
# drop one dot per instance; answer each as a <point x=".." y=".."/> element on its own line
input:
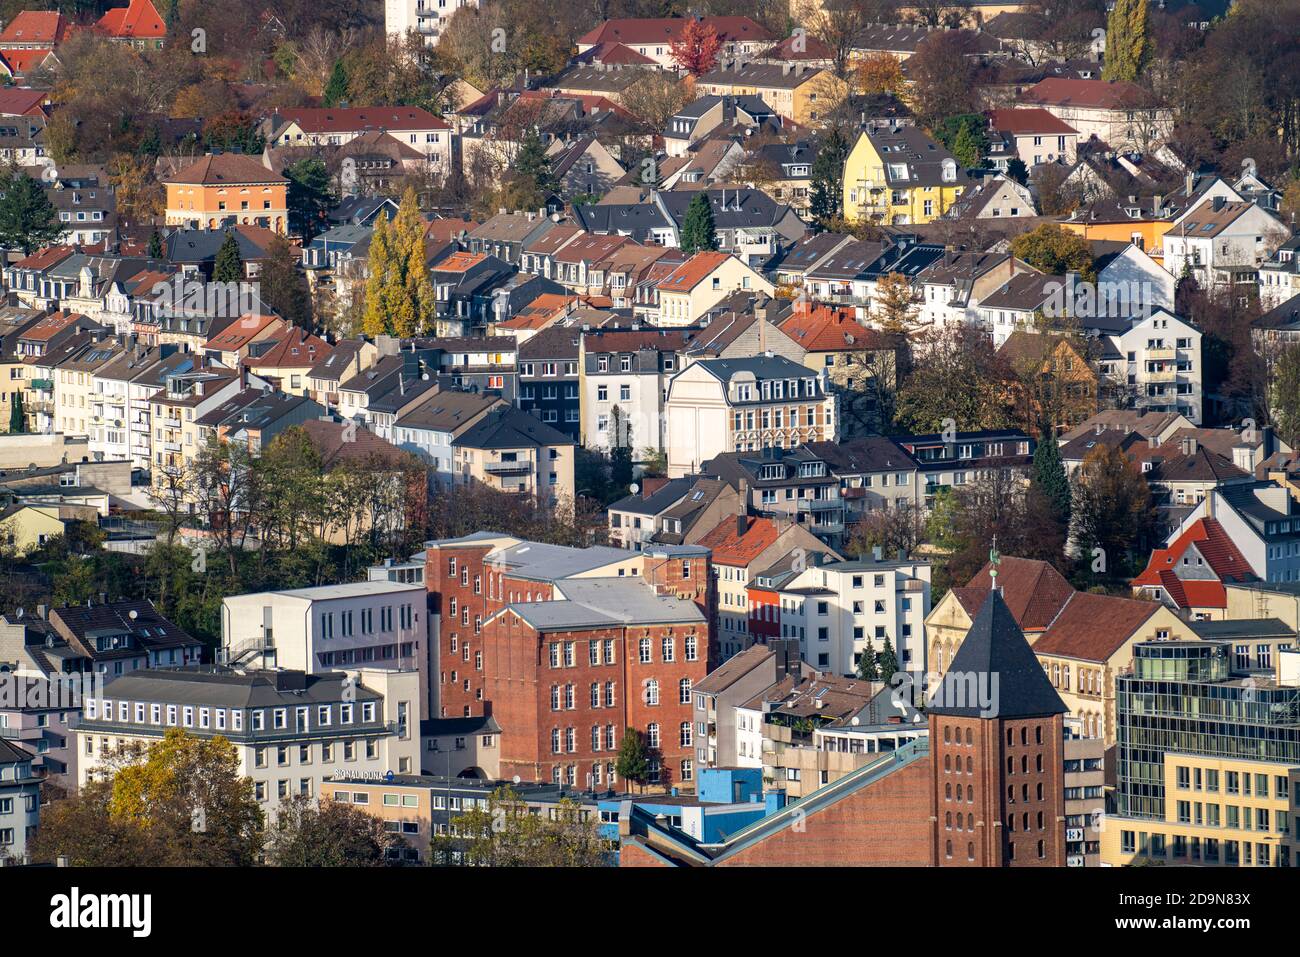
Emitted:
<point x="970" y="794"/>
<point x="947" y="850"/>
<point x="947" y="821"/>
<point x="970" y="851"/>
<point x="968" y="737"/>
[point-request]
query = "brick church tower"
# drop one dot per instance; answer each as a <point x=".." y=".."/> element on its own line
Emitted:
<point x="997" y="752"/>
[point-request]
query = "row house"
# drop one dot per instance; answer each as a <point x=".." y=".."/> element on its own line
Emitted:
<point x="77" y="409"/>
<point x="792" y="485"/>
<point x="124" y="388"/>
<point x="841" y="610"/>
<point x="624" y="377"/>
<point x="740" y="547"/>
<point x="507" y="235"/>
<point x="550" y="386"/>
<point x="952" y="287"/>
<point x="744" y="405"/>
<point x="874" y="474"/>
<point x="430" y="428"/>
<point x="349" y="358"/>
<point x="963" y="458"/>
<point x="1222" y="244"/>
<point x="1279" y="275"/>
<point x="187" y="397"/>
<point x="688" y="292"/>
<point x="663" y="511"/>
<point x="412" y="126"/>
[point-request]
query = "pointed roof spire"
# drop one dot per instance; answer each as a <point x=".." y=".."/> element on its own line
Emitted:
<point x="996" y="661"/>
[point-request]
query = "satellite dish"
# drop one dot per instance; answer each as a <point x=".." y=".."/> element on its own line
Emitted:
<point x="133" y="614"/>
<point x="19" y="613"/>
<point x="633" y="488"/>
<point x="516" y="779"/>
<point x="854" y="721"/>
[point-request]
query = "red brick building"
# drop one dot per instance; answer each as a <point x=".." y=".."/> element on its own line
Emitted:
<point x="568" y="647"/>
<point x="986" y="789"/>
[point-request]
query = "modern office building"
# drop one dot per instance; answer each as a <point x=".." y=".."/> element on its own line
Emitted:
<point x="1208" y="760"/>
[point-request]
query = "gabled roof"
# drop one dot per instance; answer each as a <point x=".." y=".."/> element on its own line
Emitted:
<point x="297" y="349"/>
<point x="21" y="101"/>
<point x="1093" y="627"/>
<point x="692" y="272"/>
<point x="1214" y="545"/>
<point x="1033" y="590"/>
<point x="339" y="442"/>
<point x="137" y="21"/>
<point x="1029" y="121"/>
<point x="732" y="547"/>
<point x="510" y="428"/>
<point x="48" y="28"/>
<point x="826" y="329"/>
<point x="995" y="649"/>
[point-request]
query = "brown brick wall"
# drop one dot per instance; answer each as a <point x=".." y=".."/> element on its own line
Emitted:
<point x="885" y="823"/>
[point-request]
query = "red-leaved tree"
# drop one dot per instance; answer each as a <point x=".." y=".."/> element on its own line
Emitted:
<point x="696" y="50"/>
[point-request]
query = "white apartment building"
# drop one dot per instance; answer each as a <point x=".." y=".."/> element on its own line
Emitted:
<point x="292" y="730"/>
<point x="20" y="801"/>
<point x="372" y="624"/>
<point x="428" y="18"/>
<point x="1161" y="365"/>
<point x="839" y="610"/>
<point x="1223" y="243"/>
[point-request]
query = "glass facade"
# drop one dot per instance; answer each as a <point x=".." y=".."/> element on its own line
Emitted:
<point x="1182" y="699"/>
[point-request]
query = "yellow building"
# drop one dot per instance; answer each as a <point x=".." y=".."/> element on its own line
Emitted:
<point x="900" y="177"/>
<point x="227" y="189"/>
<point x="1146" y="234"/>
<point x="1208" y="761"/>
<point x="700" y="283"/>
<point x="794" y="91"/>
<point x="176" y="409"/>
<point x="26" y="527"/>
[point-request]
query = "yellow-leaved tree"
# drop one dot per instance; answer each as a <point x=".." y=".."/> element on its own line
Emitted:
<point x="400" y="298"/>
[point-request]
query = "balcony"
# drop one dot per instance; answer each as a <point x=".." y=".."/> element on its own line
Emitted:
<point x="1159" y="353"/>
<point x="523" y="467"/>
<point x="1162" y="375"/>
<point x="172" y="423"/>
<point x="172" y="446"/>
<point x="44" y="385"/>
<point x="820" y="504"/>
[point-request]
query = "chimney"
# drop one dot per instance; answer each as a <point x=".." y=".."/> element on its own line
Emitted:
<point x="1189" y="182"/>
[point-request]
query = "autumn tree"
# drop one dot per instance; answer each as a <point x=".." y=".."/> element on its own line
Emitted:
<point x="399" y="293"/>
<point x="1113" y="517"/>
<point x="1284" y="395"/>
<point x="1055" y="250"/>
<point x="696" y="48"/>
<point x="1127" y="48"/>
<point x="633" y="762"/>
<point x="177" y="802"/>
<point x="880" y="73"/>
<point x="506" y="833"/>
<point x="943" y="77"/>
<point x="958" y="378"/>
<point x="327" y="834"/>
<point x="897" y="305"/>
<point x="656" y="97"/>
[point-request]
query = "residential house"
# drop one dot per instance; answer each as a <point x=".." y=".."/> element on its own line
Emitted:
<point x="224" y="189"/>
<point x="899" y="176"/>
<point x="744" y="405"/>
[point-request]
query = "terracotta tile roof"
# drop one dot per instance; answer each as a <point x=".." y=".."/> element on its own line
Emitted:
<point x="45" y="258"/>
<point x="350" y="119"/>
<point x="1093" y="627"/>
<point x="461" y="262"/>
<point x="137" y="21"/>
<point x="731" y="548"/>
<point x="51" y="324"/>
<point x="21" y="101"/>
<point x="335" y="446"/>
<point x="1221" y="555"/>
<point x="693" y="272"/>
<point x="1033" y="590"/>
<point x="1086" y="94"/>
<point x="35" y="26"/>
<point x="541" y="312"/>
<point x="826" y="329"/>
<point x="21" y="62"/>
<point x="299" y="349"/>
<point x="240" y="332"/>
<point x="1031" y="120"/>
<point x="610" y="52"/>
<point x="225" y="168"/>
